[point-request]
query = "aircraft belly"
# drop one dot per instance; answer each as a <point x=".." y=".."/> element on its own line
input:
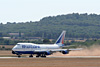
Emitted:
<point x="24" y="52"/>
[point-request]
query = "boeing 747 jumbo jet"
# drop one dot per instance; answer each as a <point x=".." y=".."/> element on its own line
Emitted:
<point x="41" y="50"/>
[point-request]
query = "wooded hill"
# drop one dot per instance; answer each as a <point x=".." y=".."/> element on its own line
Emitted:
<point x="76" y="26"/>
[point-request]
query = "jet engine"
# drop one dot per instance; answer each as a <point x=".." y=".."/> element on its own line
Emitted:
<point x="48" y="53"/>
<point x="65" y="52"/>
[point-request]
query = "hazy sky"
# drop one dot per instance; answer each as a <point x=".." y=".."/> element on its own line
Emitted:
<point x="34" y="10"/>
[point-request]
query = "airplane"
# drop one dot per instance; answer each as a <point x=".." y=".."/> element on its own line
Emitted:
<point x="41" y="50"/>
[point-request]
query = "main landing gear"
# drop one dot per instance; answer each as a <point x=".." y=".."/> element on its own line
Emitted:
<point x="38" y="55"/>
<point x="31" y="55"/>
<point x="41" y="55"/>
<point x="19" y="55"/>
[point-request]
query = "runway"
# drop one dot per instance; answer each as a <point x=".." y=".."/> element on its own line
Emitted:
<point x="75" y="57"/>
<point x="53" y="61"/>
<point x="59" y="57"/>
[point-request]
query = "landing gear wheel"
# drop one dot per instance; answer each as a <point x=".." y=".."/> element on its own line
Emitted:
<point x="19" y="56"/>
<point x="43" y="55"/>
<point x="31" y="55"/>
<point x="38" y="55"/>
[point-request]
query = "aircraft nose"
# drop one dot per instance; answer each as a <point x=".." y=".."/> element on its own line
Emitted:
<point x="13" y="48"/>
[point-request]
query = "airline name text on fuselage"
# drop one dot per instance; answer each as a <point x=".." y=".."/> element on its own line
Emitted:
<point x="30" y="46"/>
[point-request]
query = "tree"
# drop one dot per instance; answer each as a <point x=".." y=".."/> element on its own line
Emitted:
<point x="46" y="41"/>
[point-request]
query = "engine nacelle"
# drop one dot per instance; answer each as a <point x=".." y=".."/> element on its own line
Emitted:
<point x="48" y="53"/>
<point x="65" y="52"/>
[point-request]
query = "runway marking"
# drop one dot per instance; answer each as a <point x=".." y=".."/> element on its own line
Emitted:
<point x="74" y="56"/>
<point x="60" y="57"/>
<point x="13" y="57"/>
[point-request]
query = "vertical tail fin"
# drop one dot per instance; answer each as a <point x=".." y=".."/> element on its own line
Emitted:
<point x="60" y="40"/>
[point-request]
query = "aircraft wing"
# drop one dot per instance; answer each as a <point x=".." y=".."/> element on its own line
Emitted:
<point x="75" y="49"/>
<point x="51" y="50"/>
<point x="57" y="50"/>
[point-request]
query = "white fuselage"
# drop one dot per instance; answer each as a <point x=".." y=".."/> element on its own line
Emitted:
<point x="33" y="47"/>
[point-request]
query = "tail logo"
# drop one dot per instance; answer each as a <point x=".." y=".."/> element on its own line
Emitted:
<point x="60" y="40"/>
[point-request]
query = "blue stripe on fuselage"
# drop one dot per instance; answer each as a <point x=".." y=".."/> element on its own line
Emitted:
<point x="24" y="52"/>
<point x="28" y="52"/>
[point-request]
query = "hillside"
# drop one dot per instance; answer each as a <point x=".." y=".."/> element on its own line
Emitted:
<point x="76" y="26"/>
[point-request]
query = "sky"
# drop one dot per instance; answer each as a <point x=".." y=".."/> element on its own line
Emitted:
<point x="34" y="10"/>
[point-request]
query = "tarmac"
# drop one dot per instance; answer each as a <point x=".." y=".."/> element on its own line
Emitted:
<point x="59" y="57"/>
<point x="51" y="61"/>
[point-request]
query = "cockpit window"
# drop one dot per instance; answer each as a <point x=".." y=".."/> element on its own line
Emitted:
<point x="17" y="44"/>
